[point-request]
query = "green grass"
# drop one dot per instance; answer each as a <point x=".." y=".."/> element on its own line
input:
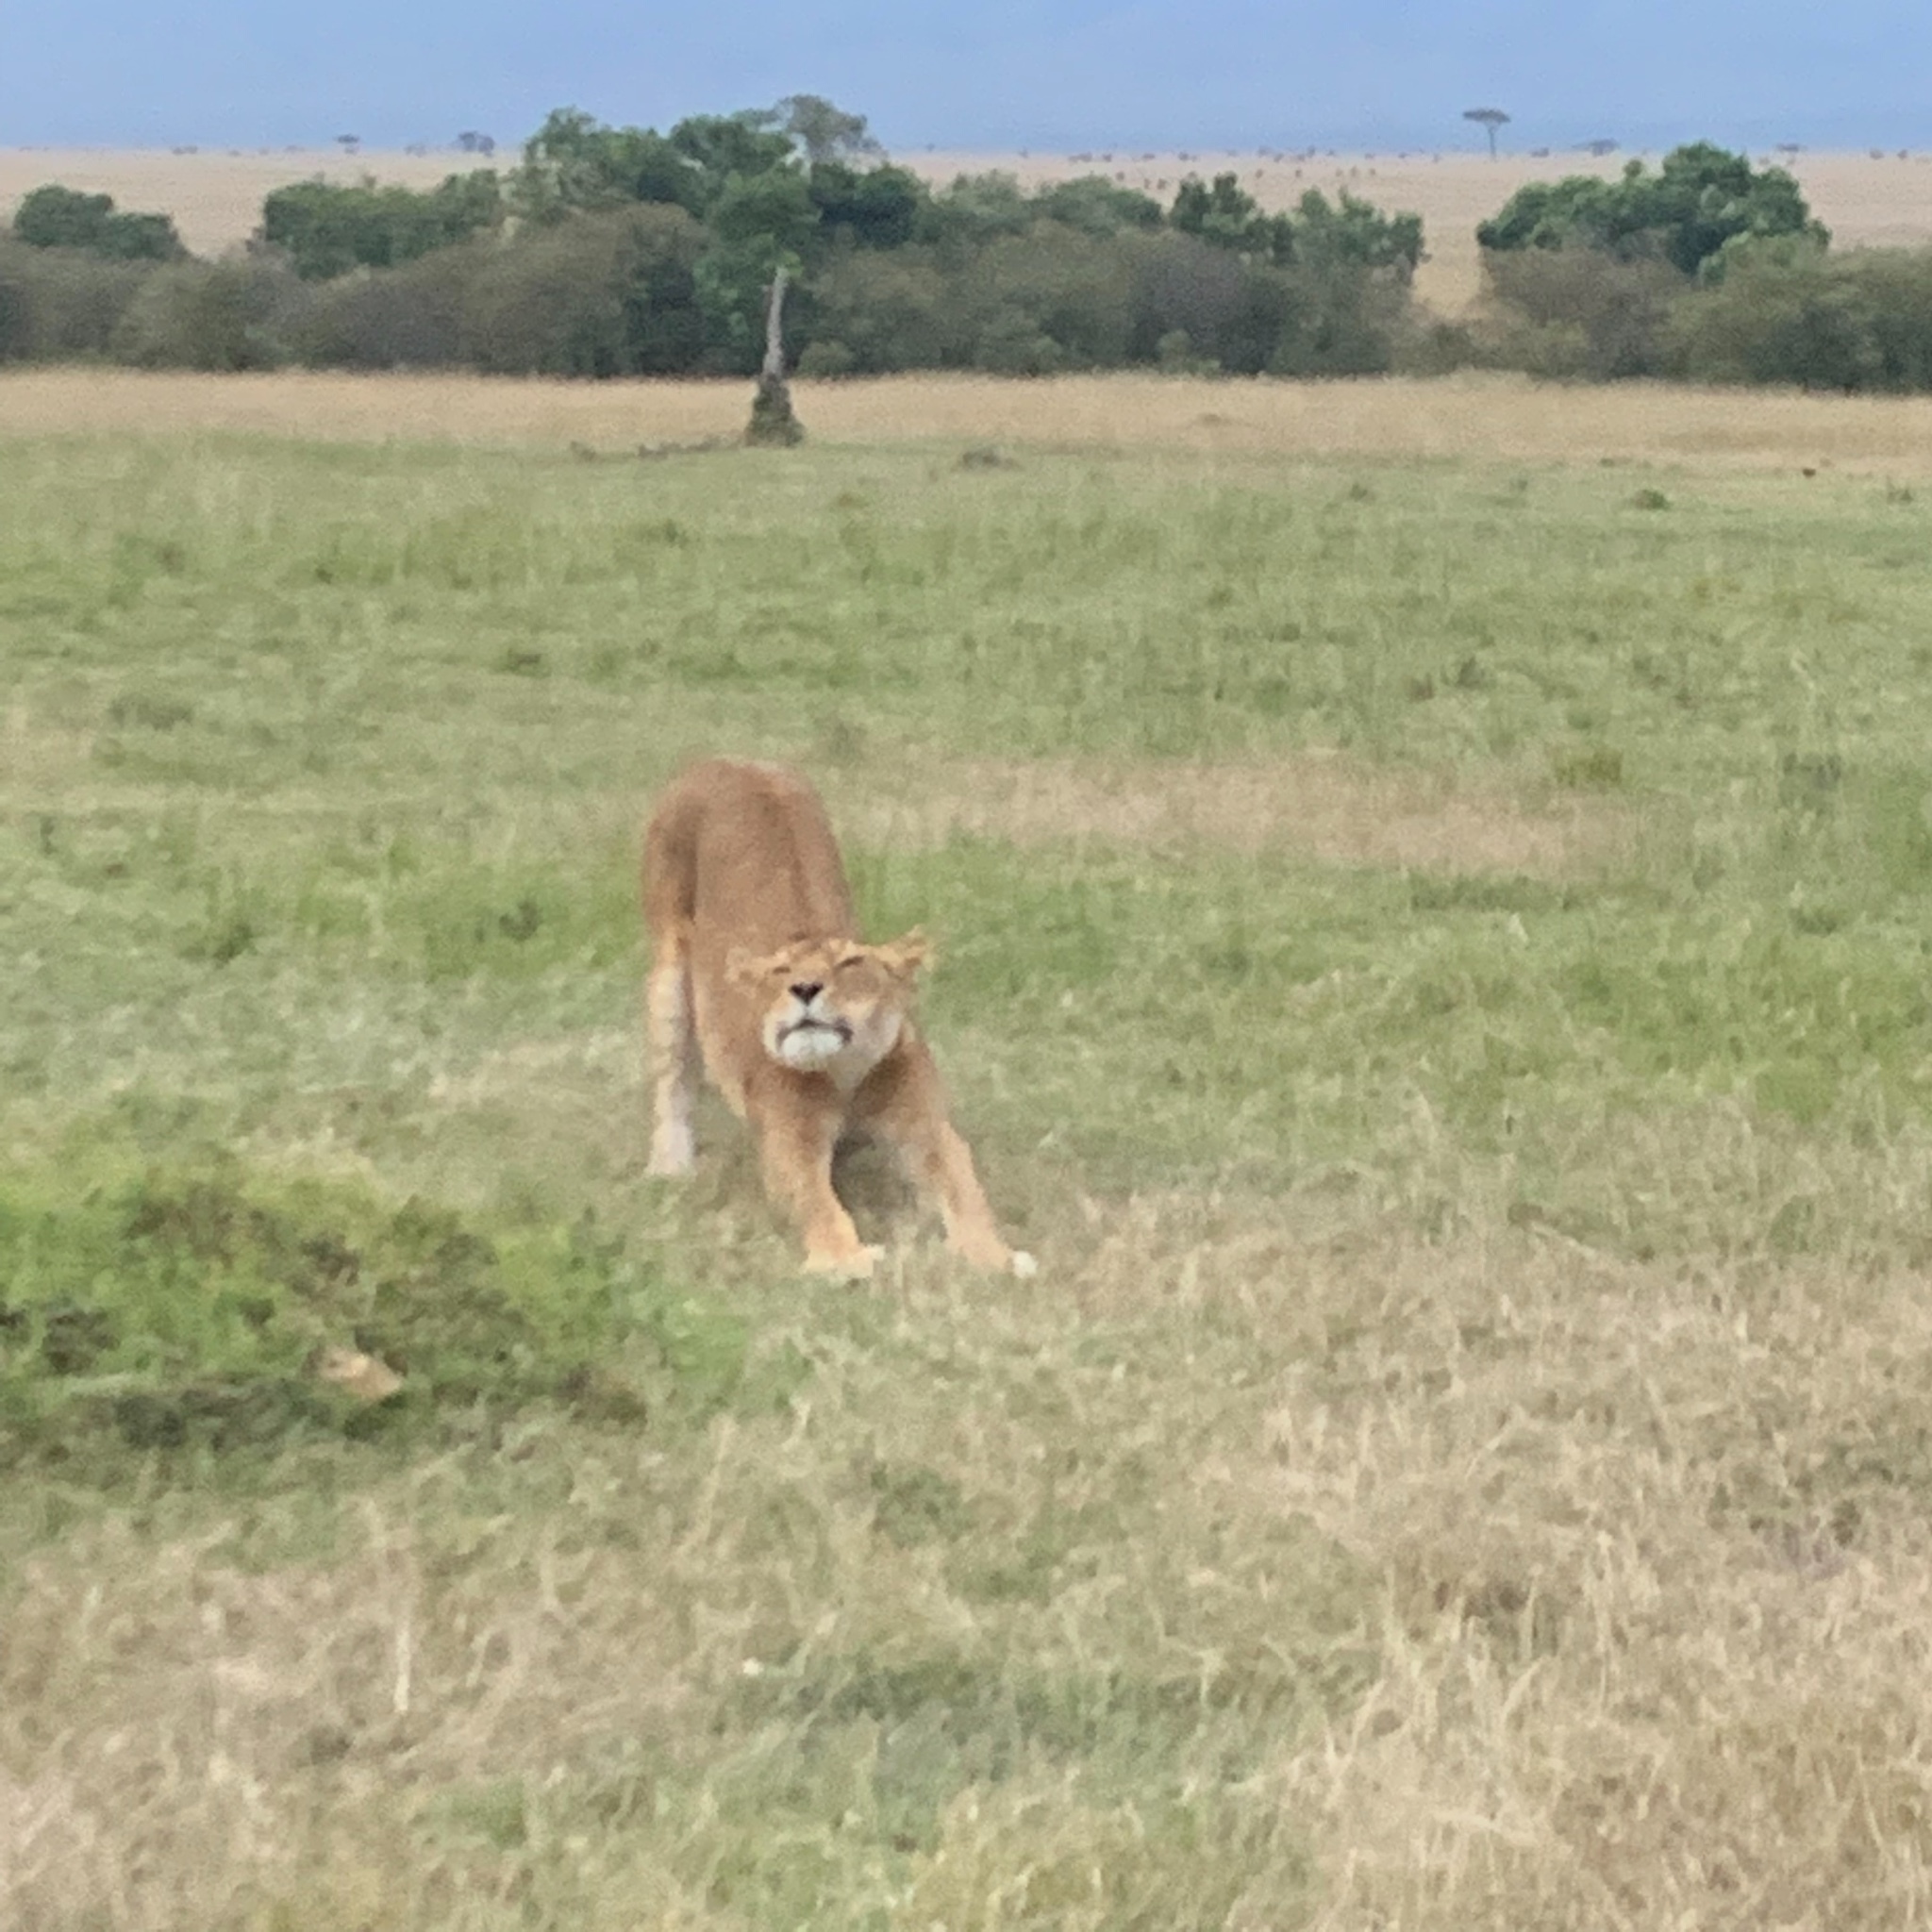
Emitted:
<point x="1395" y="1222"/>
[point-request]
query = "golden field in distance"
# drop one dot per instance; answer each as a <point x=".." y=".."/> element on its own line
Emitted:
<point x="215" y="197"/>
<point x="1482" y="418"/>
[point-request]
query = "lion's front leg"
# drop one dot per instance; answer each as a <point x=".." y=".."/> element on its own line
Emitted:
<point x="671" y="1028"/>
<point x="795" y="1143"/>
<point x="940" y="1164"/>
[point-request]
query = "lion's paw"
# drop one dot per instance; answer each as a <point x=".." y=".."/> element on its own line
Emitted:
<point x="855" y="1266"/>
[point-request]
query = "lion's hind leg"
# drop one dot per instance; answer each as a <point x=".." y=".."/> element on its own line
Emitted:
<point x="671" y="1026"/>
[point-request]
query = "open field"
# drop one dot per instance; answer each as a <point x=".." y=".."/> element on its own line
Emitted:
<point x="216" y="197"/>
<point x="1480" y="418"/>
<point x="1433" y="959"/>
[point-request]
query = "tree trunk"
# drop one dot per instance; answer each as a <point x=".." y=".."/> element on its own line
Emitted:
<point x="773" y="420"/>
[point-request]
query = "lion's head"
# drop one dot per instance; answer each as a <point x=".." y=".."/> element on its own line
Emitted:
<point x="832" y="1006"/>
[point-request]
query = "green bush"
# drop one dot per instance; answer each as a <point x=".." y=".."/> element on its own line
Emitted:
<point x="888" y="310"/>
<point x="412" y="317"/>
<point x="1573" y="312"/>
<point x="327" y="230"/>
<point x="877" y="207"/>
<point x="595" y="295"/>
<point x="1802" y="320"/>
<point x="1896" y="286"/>
<point x="1701" y="198"/>
<point x="56" y="217"/>
<point x="60" y="305"/>
<point x="1096" y="206"/>
<point x="212" y="315"/>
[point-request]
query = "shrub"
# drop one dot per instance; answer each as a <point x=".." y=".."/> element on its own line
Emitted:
<point x="1896" y="285"/>
<point x="879" y="208"/>
<point x="60" y="303"/>
<point x="1096" y="206"/>
<point x="56" y="217"/>
<point x="213" y="315"/>
<point x="1701" y="198"/>
<point x="826" y="358"/>
<point x="327" y="230"/>
<point x="1802" y="320"/>
<point x="1572" y="312"/>
<point x="604" y="295"/>
<point x="888" y="310"/>
<point x="412" y="317"/>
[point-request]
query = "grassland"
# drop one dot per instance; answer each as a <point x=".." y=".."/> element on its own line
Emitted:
<point x="1434" y="962"/>
<point x="215" y="197"/>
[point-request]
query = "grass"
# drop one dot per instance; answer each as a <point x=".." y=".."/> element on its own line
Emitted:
<point x="1433" y="959"/>
<point x="1493" y="420"/>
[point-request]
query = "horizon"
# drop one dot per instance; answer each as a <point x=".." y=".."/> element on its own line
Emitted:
<point x="1052" y="76"/>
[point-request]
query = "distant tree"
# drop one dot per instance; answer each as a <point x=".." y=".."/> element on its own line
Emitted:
<point x="349" y="143"/>
<point x="473" y="142"/>
<point x="720" y="145"/>
<point x="575" y="162"/>
<point x="1355" y="234"/>
<point x="822" y="131"/>
<point x="56" y="217"/>
<point x="1225" y="215"/>
<point x="1702" y="198"/>
<point x="327" y="230"/>
<point x="975" y="210"/>
<point x="879" y="208"/>
<point x="1490" y="119"/>
<point x="1600" y="147"/>
<point x="1096" y="206"/>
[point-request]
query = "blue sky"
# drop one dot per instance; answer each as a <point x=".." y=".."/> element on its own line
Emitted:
<point x="1053" y="74"/>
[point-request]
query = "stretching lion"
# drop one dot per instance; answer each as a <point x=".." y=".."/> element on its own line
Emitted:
<point x="758" y="974"/>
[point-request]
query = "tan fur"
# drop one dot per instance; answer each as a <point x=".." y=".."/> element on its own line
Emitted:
<point x="758" y="975"/>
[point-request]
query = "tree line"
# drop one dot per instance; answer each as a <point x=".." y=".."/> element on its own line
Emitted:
<point x="611" y="251"/>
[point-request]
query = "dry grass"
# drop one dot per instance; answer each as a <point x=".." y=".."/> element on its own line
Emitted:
<point x="1505" y="419"/>
<point x="1324" y="806"/>
<point x="216" y="198"/>
<point x="1646" y="1614"/>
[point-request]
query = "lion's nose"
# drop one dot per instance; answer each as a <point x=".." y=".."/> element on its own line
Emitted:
<point x="808" y="990"/>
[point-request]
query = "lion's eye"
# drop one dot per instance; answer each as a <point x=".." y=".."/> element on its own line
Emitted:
<point x="847" y="964"/>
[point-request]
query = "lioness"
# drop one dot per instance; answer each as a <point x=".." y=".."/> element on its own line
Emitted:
<point x="757" y="969"/>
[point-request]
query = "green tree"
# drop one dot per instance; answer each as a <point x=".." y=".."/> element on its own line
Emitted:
<point x="975" y="210"/>
<point x="573" y="163"/>
<point x="1228" y="216"/>
<point x="1355" y="234"/>
<point x="1096" y="206"/>
<point x="1701" y="198"/>
<point x="720" y="147"/>
<point x="56" y="217"/>
<point x="823" y="132"/>
<point x="879" y="208"/>
<point x="327" y="230"/>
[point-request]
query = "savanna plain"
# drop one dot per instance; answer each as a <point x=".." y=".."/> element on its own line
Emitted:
<point x="1433" y="959"/>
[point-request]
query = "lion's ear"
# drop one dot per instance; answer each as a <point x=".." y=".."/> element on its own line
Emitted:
<point x="742" y="967"/>
<point x="905" y="955"/>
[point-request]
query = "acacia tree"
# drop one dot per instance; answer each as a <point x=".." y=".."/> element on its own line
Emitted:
<point x="1490" y="119"/>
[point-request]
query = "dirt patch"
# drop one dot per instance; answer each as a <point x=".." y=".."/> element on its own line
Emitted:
<point x="1325" y="807"/>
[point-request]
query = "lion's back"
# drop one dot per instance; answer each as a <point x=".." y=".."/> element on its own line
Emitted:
<point x="744" y="854"/>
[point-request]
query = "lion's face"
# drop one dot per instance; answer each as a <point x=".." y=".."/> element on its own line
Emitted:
<point x="832" y="1006"/>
